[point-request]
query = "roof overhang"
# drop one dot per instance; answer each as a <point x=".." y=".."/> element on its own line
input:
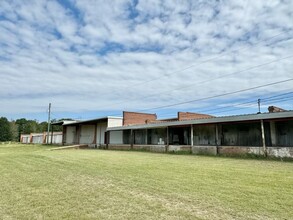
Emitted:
<point x="215" y="120"/>
<point x="91" y="121"/>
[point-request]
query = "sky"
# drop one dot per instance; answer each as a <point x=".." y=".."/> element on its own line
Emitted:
<point x="96" y="58"/>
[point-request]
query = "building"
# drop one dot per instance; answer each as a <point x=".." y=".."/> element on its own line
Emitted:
<point x="41" y="138"/>
<point x="89" y="132"/>
<point x="261" y="134"/>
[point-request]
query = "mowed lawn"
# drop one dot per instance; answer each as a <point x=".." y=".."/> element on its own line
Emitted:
<point x="36" y="183"/>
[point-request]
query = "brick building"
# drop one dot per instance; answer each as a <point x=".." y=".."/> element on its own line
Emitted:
<point x="262" y="134"/>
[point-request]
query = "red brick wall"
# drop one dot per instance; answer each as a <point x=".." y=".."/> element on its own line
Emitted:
<point x="191" y="115"/>
<point x="132" y="118"/>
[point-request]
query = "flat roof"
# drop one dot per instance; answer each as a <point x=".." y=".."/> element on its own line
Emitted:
<point x="63" y="122"/>
<point x="85" y="121"/>
<point x="223" y="119"/>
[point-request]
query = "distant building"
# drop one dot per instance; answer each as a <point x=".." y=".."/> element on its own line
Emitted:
<point x="41" y="138"/>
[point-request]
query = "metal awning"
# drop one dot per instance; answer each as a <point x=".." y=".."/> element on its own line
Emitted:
<point x="235" y="118"/>
<point x="65" y="123"/>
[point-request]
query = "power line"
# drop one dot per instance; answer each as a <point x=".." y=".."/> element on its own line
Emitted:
<point x="231" y="106"/>
<point x="209" y="59"/>
<point x="278" y="95"/>
<point x="253" y="102"/>
<point x="245" y="107"/>
<point x="246" y="104"/>
<point x="204" y="61"/>
<point x="225" y="75"/>
<point x="220" y="95"/>
<point x="210" y="80"/>
<point x="281" y="99"/>
<point x="278" y="101"/>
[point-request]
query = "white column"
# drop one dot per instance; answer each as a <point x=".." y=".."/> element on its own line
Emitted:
<point x="263" y="138"/>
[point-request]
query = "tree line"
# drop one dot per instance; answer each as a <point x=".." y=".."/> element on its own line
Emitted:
<point x="11" y="130"/>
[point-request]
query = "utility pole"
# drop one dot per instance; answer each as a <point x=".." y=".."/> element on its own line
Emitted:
<point x="258" y="102"/>
<point x="49" y="116"/>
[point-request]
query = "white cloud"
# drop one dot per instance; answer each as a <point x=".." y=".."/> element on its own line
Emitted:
<point x="91" y="56"/>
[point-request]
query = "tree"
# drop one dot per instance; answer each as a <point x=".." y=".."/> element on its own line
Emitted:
<point x="26" y="126"/>
<point x="5" y="130"/>
<point x="43" y="126"/>
<point x="14" y="130"/>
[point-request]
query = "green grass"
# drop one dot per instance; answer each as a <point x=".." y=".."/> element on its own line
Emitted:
<point x="97" y="184"/>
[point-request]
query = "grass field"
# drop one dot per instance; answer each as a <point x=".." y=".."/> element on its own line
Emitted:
<point x="96" y="184"/>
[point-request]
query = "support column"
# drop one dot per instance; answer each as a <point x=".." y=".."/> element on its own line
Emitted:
<point x="263" y="138"/>
<point x="63" y="135"/>
<point x="217" y="138"/>
<point x="100" y="139"/>
<point x="52" y="134"/>
<point x="78" y="128"/>
<point x="146" y="136"/>
<point x="95" y="136"/>
<point x="191" y="138"/>
<point x="191" y="135"/>
<point x="131" y="139"/>
<point x="167" y="140"/>
<point x="273" y="133"/>
<point x="107" y="139"/>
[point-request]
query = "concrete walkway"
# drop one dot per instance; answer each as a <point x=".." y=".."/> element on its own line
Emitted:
<point x="78" y="146"/>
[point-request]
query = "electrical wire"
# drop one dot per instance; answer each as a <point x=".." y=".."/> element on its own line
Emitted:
<point x="207" y="81"/>
<point x="209" y="59"/>
<point x="248" y="104"/>
<point x="198" y="64"/>
<point x="220" y="95"/>
<point x="253" y="102"/>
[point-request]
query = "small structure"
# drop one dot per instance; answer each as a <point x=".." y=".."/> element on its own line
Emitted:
<point x="41" y="138"/>
<point x="25" y="138"/>
<point x="54" y="138"/>
<point x="38" y="138"/>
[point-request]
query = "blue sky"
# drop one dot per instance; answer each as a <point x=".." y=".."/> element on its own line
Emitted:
<point x="97" y="58"/>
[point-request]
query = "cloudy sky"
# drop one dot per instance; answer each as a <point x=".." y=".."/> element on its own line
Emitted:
<point x="96" y="58"/>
